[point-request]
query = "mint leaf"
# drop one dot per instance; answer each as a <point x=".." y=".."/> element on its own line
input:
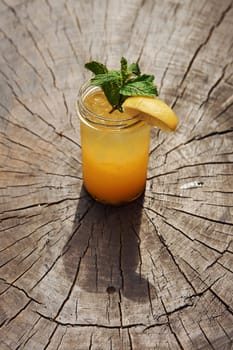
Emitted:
<point x="118" y="85"/>
<point x="139" y="88"/>
<point x="96" y="67"/>
<point x="144" y="77"/>
<point x="111" y="76"/>
<point x="134" y="68"/>
<point x="124" y="69"/>
<point x="110" y="83"/>
<point x="111" y="91"/>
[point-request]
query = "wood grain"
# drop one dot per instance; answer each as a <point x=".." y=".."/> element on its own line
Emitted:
<point x="157" y="273"/>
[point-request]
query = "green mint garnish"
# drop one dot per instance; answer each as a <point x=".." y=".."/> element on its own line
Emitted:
<point x="120" y="84"/>
<point x="96" y="67"/>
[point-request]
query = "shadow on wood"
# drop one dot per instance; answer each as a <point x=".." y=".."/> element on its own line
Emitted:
<point x="103" y="253"/>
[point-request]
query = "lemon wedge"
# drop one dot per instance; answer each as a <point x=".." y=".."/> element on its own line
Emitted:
<point x="153" y="111"/>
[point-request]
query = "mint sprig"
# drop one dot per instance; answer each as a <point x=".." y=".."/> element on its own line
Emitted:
<point x="118" y="85"/>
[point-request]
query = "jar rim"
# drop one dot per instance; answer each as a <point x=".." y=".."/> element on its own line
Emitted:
<point x="83" y="91"/>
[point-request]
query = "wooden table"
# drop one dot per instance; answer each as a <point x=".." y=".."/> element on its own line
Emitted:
<point x="154" y="274"/>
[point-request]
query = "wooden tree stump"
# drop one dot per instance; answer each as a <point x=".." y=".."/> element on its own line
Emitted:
<point x="154" y="274"/>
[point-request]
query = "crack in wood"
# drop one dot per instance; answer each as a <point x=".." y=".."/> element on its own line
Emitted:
<point x="74" y="279"/>
<point x="61" y="340"/>
<point x="28" y="235"/>
<point x="229" y="104"/>
<point x="65" y="103"/>
<point x="194" y="56"/>
<point x="179" y="230"/>
<point x="8" y="321"/>
<point x="48" y="270"/>
<point x="27" y="269"/>
<point x="92" y="325"/>
<point x="28" y="130"/>
<point x="91" y="342"/>
<point x="166" y="194"/>
<point x="130" y="339"/>
<point x="23" y="344"/>
<point x="35" y="44"/>
<point x="78" y="221"/>
<point x="163" y="242"/>
<point x="8" y="80"/>
<point x="198" y="138"/>
<point x="205" y="336"/>
<point x="205" y="218"/>
<point x="185" y="306"/>
<point x="170" y="327"/>
<point x="224" y="331"/>
<point x="228" y="307"/>
<point x="213" y="87"/>
<point x="42" y="205"/>
<point x="223" y="266"/>
<point x="71" y="45"/>
<point x="147" y="31"/>
<point x="175" y="171"/>
<point x="72" y="14"/>
<point x="28" y="333"/>
<point x="153" y="211"/>
<point x="156" y="325"/>
<point x="211" y="134"/>
<point x="61" y="134"/>
<point x="49" y="7"/>
<point x="218" y="251"/>
<point x="24" y="59"/>
<point x="219" y="205"/>
<point x="222" y="192"/>
<point x="30" y="164"/>
<point x="149" y="294"/>
<point x="139" y="249"/>
<point x="50" y="337"/>
<point x="122" y="277"/>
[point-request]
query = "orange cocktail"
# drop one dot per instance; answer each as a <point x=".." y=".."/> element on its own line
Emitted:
<point x="115" y="149"/>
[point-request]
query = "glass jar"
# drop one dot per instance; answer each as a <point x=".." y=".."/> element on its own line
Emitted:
<point x="115" y="152"/>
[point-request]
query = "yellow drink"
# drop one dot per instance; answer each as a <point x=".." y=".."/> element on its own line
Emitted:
<point x="115" y="148"/>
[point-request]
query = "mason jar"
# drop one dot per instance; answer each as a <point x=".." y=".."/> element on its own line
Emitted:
<point x="115" y="149"/>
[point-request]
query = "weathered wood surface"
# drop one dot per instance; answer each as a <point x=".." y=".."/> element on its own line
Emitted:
<point x="155" y="274"/>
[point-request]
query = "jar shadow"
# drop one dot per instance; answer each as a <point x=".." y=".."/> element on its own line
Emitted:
<point x="102" y="254"/>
